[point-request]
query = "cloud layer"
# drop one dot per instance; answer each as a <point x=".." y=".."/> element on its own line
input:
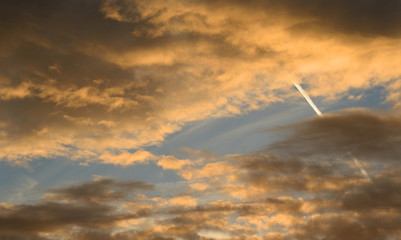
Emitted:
<point x="78" y="79"/>
<point x="279" y="193"/>
<point x="99" y="81"/>
<point x="368" y="135"/>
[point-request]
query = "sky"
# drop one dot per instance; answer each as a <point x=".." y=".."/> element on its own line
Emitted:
<point x="180" y="120"/>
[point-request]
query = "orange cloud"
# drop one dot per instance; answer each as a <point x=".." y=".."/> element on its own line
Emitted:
<point x="184" y="201"/>
<point x="137" y="71"/>
<point x="127" y="158"/>
<point x="170" y="162"/>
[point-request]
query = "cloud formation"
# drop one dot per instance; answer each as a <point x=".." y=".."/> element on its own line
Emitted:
<point x="294" y="192"/>
<point x="368" y="135"/>
<point x="115" y="209"/>
<point x="87" y="205"/>
<point x="99" y="81"/>
<point x="79" y="79"/>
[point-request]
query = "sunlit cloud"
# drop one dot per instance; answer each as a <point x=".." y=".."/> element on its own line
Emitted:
<point x="98" y="88"/>
<point x="137" y="71"/>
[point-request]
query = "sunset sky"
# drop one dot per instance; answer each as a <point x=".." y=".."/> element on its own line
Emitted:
<point x="179" y="120"/>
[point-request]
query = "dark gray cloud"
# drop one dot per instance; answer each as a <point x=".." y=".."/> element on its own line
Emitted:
<point x="243" y="208"/>
<point x="51" y="216"/>
<point x="347" y="227"/>
<point x="100" y="191"/>
<point x="382" y="194"/>
<point x="10" y="235"/>
<point x="369" y="18"/>
<point x="344" y="206"/>
<point x="277" y="173"/>
<point x="367" y="135"/>
<point x="88" y="205"/>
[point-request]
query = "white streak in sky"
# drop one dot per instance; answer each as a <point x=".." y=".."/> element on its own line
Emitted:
<point x="359" y="165"/>
<point x="306" y="96"/>
<point x="319" y="113"/>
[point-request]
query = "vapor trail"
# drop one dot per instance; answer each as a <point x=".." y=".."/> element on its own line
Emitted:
<point x="306" y="96"/>
<point x="319" y="113"/>
<point x="363" y="171"/>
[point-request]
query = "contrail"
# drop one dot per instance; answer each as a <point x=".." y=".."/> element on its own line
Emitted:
<point x="306" y="96"/>
<point x="319" y="113"/>
<point x="359" y="165"/>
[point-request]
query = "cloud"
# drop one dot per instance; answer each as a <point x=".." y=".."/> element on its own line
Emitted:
<point x="304" y="196"/>
<point x="121" y="75"/>
<point x="99" y="81"/>
<point x="126" y="158"/>
<point x="368" y="135"/>
<point x="259" y="172"/>
<point x="170" y="162"/>
<point x="87" y="205"/>
<point x="183" y="201"/>
<point x="381" y="195"/>
<point x="98" y="191"/>
<point x="370" y="18"/>
<point x="55" y="215"/>
<point x="17" y="236"/>
<point x="106" y="208"/>
<point x="50" y="216"/>
<point x="344" y="226"/>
